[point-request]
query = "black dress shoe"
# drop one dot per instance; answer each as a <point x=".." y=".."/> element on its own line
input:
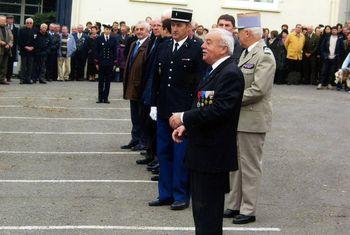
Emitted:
<point x="129" y="145"/>
<point x="243" y="219"/>
<point x="230" y="213"/>
<point x="99" y="101"/>
<point x="155" y="162"/>
<point x="139" y="147"/>
<point x="106" y="102"/>
<point x="144" y="161"/>
<point x="151" y="168"/>
<point x="155" y="178"/>
<point x="143" y="153"/>
<point x="157" y="202"/>
<point x="155" y="171"/>
<point x="42" y="82"/>
<point x="178" y="206"/>
<point x="4" y="83"/>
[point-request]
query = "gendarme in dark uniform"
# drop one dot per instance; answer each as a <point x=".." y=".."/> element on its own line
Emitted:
<point x="179" y="69"/>
<point x="106" y="56"/>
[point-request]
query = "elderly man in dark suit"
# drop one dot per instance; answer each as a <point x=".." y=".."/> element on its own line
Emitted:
<point x="211" y="127"/>
<point x="134" y="84"/>
<point x="6" y="42"/>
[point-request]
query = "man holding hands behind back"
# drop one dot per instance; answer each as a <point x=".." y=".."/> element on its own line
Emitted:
<point x="211" y="129"/>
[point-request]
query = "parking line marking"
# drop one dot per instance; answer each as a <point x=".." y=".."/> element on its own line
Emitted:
<point x="58" y="107"/>
<point x="69" y="153"/>
<point x="76" y="181"/>
<point x="135" y="228"/>
<point x="51" y="98"/>
<point x="67" y="119"/>
<point x="60" y="133"/>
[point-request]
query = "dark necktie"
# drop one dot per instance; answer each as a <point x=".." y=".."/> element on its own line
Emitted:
<point x="134" y="53"/>
<point x="246" y="52"/>
<point x="176" y="47"/>
<point x="207" y="72"/>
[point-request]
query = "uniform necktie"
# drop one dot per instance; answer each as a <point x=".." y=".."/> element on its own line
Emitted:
<point x="246" y="52"/>
<point x="176" y="47"/>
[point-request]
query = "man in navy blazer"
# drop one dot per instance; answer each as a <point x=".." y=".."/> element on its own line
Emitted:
<point x="211" y="129"/>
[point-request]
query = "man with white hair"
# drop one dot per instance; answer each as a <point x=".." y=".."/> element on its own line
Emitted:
<point x="6" y="42"/>
<point x="26" y="50"/>
<point x="133" y="84"/>
<point x="258" y="65"/>
<point x="211" y="127"/>
<point x="80" y="55"/>
<point x="42" y="46"/>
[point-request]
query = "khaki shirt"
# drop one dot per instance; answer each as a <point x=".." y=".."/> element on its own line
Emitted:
<point x="258" y="68"/>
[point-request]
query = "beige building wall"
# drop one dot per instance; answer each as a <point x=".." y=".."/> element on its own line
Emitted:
<point x="291" y="12"/>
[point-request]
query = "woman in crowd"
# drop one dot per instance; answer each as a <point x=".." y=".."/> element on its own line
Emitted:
<point x="276" y="45"/>
<point x="91" y="68"/>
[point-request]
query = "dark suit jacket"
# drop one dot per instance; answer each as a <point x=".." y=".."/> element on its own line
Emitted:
<point x="339" y="49"/>
<point x="176" y="77"/>
<point x="106" y="52"/>
<point x="133" y="82"/>
<point x="212" y="123"/>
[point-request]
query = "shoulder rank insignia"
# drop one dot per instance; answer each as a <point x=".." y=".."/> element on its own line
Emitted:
<point x="248" y="66"/>
<point x="267" y="50"/>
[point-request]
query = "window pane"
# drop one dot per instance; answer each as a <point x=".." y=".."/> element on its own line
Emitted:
<point x="12" y="9"/>
<point x="268" y="1"/>
<point x="32" y="10"/>
<point x="11" y="1"/>
<point x="36" y="2"/>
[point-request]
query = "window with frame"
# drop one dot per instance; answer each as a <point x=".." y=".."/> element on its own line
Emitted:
<point x="175" y="2"/>
<point x="262" y="5"/>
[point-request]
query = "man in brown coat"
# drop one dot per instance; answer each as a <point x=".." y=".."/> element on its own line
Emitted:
<point x="133" y="84"/>
<point x="6" y="43"/>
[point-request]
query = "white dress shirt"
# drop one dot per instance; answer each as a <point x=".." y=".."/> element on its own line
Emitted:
<point x="180" y="43"/>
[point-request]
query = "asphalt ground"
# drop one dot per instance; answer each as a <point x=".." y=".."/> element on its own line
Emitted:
<point x="62" y="170"/>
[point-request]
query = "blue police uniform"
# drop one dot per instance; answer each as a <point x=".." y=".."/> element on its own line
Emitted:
<point x="177" y="77"/>
<point x="106" y="55"/>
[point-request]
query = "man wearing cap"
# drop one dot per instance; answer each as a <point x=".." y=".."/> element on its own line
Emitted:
<point x="179" y="69"/>
<point x="258" y="66"/>
<point x="106" y="59"/>
<point x="10" y="24"/>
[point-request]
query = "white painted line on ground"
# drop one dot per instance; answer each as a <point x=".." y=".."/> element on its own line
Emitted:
<point x="60" y="133"/>
<point x="69" y="153"/>
<point x="57" y="107"/>
<point x="67" y="119"/>
<point x="76" y="181"/>
<point x="52" y="98"/>
<point x="135" y="228"/>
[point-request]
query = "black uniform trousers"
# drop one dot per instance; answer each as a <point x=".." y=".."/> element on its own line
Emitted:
<point x="104" y="81"/>
<point x="39" y="70"/>
<point x="9" y="72"/>
<point x="25" y="74"/>
<point x="329" y="68"/>
<point x="78" y="66"/>
<point x="208" y="198"/>
<point x="51" y="67"/>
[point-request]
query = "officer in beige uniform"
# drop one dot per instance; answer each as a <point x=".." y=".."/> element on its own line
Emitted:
<point x="258" y="66"/>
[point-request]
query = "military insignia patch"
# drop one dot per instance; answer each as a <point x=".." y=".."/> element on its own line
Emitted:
<point x="248" y="66"/>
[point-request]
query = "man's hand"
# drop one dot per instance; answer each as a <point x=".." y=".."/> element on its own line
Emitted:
<point x="2" y="43"/>
<point x="97" y="67"/>
<point x="178" y="134"/>
<point x="308" y="55"/>
<point x="175" y="120"/>
<point x="7" y="46"/>
<point x="153" y="113"/>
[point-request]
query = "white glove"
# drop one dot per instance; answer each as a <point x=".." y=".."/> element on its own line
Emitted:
<point x="153" y="113"/>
